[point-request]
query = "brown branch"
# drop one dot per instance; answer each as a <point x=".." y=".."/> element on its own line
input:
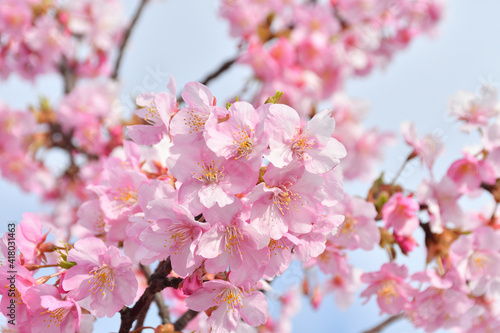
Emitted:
<point x="183" y="320"/>
<point x="157" y="282"/>
<point x="126" y="37"/>
<point x="384" y="324"/>
<point x="68" y="75"/>
<point x="222" y="68"/>
<point x="163" y="311"/>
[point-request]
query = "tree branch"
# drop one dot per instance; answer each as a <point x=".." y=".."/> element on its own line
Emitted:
<point x="126" y="37"/>
<point x="183" y="320"/>
<point x="163" y="311"/>
<point x="384" y="324"/>
<point x="222" y="68"/>
<point x="157" y="282"/>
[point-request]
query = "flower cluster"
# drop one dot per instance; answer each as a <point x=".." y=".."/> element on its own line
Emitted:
<point x="308" y="48"/>
<point x="220" y="200"/>
<point x="38" y="36"/>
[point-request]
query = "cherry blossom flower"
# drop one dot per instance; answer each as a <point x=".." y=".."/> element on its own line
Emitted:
<point x="400" y="213"/>
<point x="231" y="302"/>
<point x="207" y="179"/>
<point x="312" y="145"/>
<point x="358" y="230"/>
<point x="51" y="313"/>
<point x="156" y="109"/>
<point x="428" y="148"/>
<point x="285" y="201"/>
<point x="393" y="294"/>
<point x="101" y="276"/>
<point x="475" y="110"/>
<point x="234" y="242"/>
<point x="173" y="232"/>
<point x="469" y="172"/>
<point x="240" y="136"/>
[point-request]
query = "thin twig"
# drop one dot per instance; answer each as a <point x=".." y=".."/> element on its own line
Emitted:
<point x="398" y="173"/>
<point x="157" y="282"/>
<point x="68" y="75"/>
<point x="183" y="320"/>
<point x="125" y="39"/>
<point x="222" y="68"/>
<point x="384" y="324"/>
<point x="163" y="311"/>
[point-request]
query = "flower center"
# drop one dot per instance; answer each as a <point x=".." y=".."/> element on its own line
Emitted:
<point x="300" y="143"/>
<point x="152" y="115"/>
<point x="243" y="138"/>
<point x="55" y="317"/>
<point x="275" y="244"/>
<point x="211" y="172"/>
<point x="479" y="262"/>
<point x="388" y="291"/>
<point x="102" y="280"/>
<point x="179" y="235"/>
<point x="195" y="120"/>
<point x="127" y="195"/>
<point x="285" y="198"/>
<point x="232" y="296"/>
<point x="233" y="238"/>
<point x="348" y="225"/>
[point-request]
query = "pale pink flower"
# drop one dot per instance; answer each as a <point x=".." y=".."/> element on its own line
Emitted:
<point x="51" y="313"/>
<point x="364" y="149"/>
<point x="286" y="201"/>
<point x="344" y="287"/>
<point x="207" y="179"/>
<point x="444" y="304"/>
<point x="101" y="276"/>
<point x="173" y="232"/>
<point x="99" y="21"/>
<point x="30" y="238"/>
<point x="442" y="203"/>
<point x="157" y="189"/>
<point x="358" y="230"/>
<point x="232" y="302"/>
<point x="12" y="305"/>
<point x="234" y="242"/>
<point x="46" y="39"/>
<point x="474" y="110"/>
<point x="15" y="17"/>
<point x="239" y="135"/>
<point x="476" y="256"/>
<point x="156" y="109"/>
<point x="428" y="148"/>
<point x="332" y="261"/>
<point x="311" y="145"/>
<point x="190" y="122"/>
<point x="280" y="255"/>
<point x="400" y="212"/>
<point x="393" y="293"/>
<point x="468" y="173"/>
<point x="312" y="244"/>
<point x="118" y="196"/>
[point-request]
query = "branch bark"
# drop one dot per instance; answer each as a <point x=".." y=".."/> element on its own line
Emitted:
<point x="384" y="324"/>
<point x="183" y="320"/>
<point x="222" y="68"/>
<point x="163" y="311"/>
<point x="157" y="282"/>
<point x="126" y="37"/>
